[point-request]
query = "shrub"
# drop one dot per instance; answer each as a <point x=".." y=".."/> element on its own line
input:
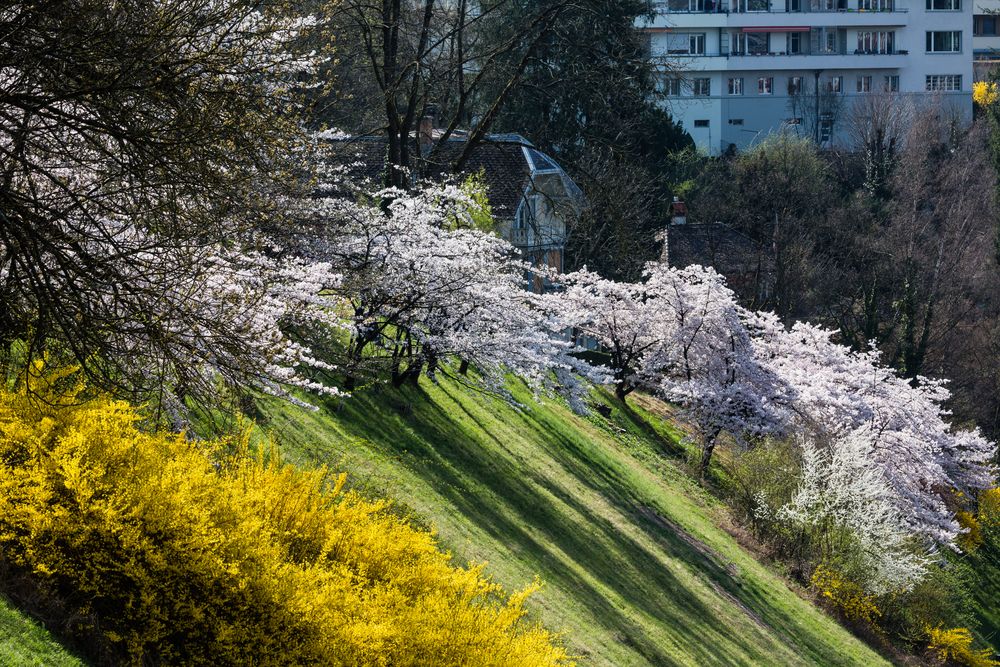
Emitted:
<point x="972" y="536"/>
<point x="985" y="93"/>
<point x="941" y="598"/>
<point x="989" y="507"/>
<point x="847" y="596"/>
<point x="763" y="479"/>
<point x="165" y="551"/>
<point x="956" y="645"/>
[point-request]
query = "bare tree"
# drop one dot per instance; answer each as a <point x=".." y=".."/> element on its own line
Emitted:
<point x="138" y="142"/>
<point x="878" y="124"/>
<point x="419" y="57"/>
<point x="615" y="234"/>
<point x="819" y="111"/>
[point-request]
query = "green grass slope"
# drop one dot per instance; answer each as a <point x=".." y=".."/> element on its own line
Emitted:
<point x="25" y="643"/>
<point x="637" y="570"/>
<point x="986" y="594"/>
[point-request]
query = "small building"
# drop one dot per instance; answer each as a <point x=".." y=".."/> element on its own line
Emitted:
<point x="533" y="199"/>
<point x="744" y="262"/>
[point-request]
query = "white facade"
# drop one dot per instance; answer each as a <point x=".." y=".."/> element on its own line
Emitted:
<point x="736" y="70"/>
<point x="985" y="36"/>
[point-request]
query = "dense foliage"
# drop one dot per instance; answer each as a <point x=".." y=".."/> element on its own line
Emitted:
<point x="153" y="548"/>
<point x="149" y="158"/>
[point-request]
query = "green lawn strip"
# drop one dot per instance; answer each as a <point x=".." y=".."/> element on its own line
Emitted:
<point x="25" y="643"/>
<point x="637" y="570"/>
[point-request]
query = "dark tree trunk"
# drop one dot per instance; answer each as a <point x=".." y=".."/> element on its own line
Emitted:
<point x="707" y="447"/>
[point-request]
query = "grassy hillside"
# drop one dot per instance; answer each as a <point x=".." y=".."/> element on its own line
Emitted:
<point x="986" y="594"/>
<point x="636" y="567"/>
<point x="24" y="643"/>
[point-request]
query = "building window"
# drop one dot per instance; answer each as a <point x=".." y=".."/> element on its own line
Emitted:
<point x="865" y="84"/>
<point x="876" y="41"/>
<point x="702" y="87"/>
<point x="696" y="44"/>
<point x="984" y="25"/>
<point x="825" y="129"/>
<point x="735" y="121"/>
<point x="944" y="42"/>
<point x="765" y="85"/>
<point x="683" y="44"/>
<point x="752" y="43"/>
<point x="751" y="5"/>
<point x="672" y="87"/>
<point x="835" y="84"/>
<point x="683" y="6"/>
<point x="701" y="123"/>
<point x="736" y="86"/>
<point x="794" y="85"/>
<point x="795" y="42"/>
<point x="944" y="5"/>
<point x="891" y="83"/>
<point x="876" y="5"/>
<point x="944" y="82"/>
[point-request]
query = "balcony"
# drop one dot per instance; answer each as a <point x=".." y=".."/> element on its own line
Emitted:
<point x="719" y="15"/>
<point x="777" y="60"/>
<point x="772" y="7"/>
<point x="702" y="20"/>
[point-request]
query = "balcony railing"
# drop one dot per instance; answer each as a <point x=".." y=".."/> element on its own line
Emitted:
<point x="745" y="54"/>
<point x="722" y="8"/>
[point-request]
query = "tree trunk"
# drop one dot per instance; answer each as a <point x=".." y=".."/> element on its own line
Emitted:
<point x="707" y="447"/>
<point x="463" y="367"/>
<point x="622" y="390"/>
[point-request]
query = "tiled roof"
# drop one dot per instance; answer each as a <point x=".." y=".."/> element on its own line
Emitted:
<point x="728" y="251"/>
<point x="501" y="159"/>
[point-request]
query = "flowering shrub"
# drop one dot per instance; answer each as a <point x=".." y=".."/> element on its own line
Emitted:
<point x="985" y="93"/>
<point x="989" y="507"/>
<point x="956" y="645"/>
<point x="847" y="596"/>
<point x="165" y="551"/>
<point x="972" y="537"/>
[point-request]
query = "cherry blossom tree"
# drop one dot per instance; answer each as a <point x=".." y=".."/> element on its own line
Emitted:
<point x="147" y="155"/>
<point x="618" y="317"/>
<point x="679" y="334"/>
<point x="841" y="489"/>
<point x="424" y="284"/>
<point x="856" y="413"/>
<point x="706" y="360"/>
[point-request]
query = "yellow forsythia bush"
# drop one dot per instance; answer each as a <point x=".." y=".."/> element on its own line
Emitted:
<point x="164" y="551"/>
<point x="956" y="645"/>
<point x="985" y="93"/>
<point x="989" y="507"/>
<point x="847" y="596"/>
<point x="972" y="536"/>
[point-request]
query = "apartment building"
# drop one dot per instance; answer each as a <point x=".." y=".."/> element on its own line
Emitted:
<point x="985" y="37"/>
<point x="734" y="71"/>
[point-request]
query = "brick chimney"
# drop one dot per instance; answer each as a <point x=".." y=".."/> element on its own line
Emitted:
<point x="678" y="212"/>
<point x="425" y="131"/>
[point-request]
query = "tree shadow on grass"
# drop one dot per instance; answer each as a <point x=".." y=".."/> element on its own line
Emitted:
<point x="546" y="524"/>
